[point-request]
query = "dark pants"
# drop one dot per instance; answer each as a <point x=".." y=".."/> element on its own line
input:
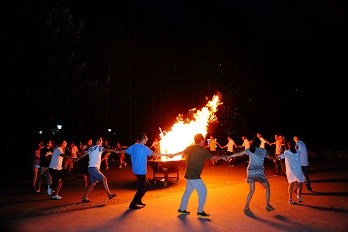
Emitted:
<point x="305" y="173"/>
<point x="279" y="166"/>
<point x="141" y="190"/>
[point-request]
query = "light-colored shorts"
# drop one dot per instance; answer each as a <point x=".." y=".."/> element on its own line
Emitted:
<point x="95" y="174"/>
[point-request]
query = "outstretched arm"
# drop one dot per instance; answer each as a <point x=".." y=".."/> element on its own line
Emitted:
<point x="236" y="154"/>
<point x="167" y="155"/>
<point x="219" y="157"/>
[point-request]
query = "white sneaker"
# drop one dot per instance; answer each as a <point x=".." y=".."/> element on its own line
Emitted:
<point x="49" y="191"/>
<point x="299" y="198"/>
<point x="57" y="197"/>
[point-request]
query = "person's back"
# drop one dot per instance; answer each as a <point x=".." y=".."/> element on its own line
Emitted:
<point x="195" y="156"/>
<point x="302" y="148"/>
<point x="139" y="154"/>
<point x="257" y="158"/>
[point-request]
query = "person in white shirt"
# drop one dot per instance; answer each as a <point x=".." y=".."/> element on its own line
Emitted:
<point x="294" y="172"/>
<point x="246" y="142"/>
<point x="56" y="168"/>
<point x="212" y="145"/>
<point x="94" y="153"/>
<point x="230" y="148"/>
<point x="73" y="152"/>
<point x="279" y="149"/>
<point x="263" y="141"/>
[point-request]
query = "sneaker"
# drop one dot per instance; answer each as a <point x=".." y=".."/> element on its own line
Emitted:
<point x="134" y="207"/>
<point x="299" y="198"/>
<point x="141" y="204"/>
<point x="49" y="191"/>
<point x="269" y="208"/>
<point x="112" y="195"/>
<point x="57" y="197"/>
<point x="291" y="201"/>
<point x="203" y="214"/>
<point x="120" y="166"/>
<point x="247" y="211"/>
<point x="38" y="190"/>
<point x="183" y="212"/>
<point x="125" y="164"/>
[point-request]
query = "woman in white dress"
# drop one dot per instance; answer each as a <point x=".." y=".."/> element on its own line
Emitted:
<point x="294" y="172"/>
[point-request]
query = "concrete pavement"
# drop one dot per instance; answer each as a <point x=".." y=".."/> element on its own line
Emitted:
<point x="323" y="209"/>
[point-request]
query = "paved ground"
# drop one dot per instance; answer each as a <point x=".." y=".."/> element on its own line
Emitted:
<point x="323" y="209"/>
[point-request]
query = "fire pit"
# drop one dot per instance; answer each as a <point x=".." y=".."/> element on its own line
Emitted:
<point x="162" y="170"/>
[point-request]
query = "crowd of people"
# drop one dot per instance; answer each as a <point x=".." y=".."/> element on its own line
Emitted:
<point x="53" y="162"/>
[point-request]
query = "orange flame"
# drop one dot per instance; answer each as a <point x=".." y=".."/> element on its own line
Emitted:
<point x="182" y="132"/>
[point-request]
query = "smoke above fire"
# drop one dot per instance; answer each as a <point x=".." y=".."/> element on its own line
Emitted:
<point x="183" y="131"/>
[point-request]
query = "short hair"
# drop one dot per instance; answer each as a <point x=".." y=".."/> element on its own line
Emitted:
<point x="198" y="138"/>
<point x="141" y="136"/>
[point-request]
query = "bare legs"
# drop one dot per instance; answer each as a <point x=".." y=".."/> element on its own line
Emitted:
<point x="85" y="180"/>
<point x="91" y="187"/>
<point x="298" y="189"/>
<point x="290" y="189"/>
<point x="269" y="208"/>
<point x="122" y="162"/>
<point x="250" y="195"/>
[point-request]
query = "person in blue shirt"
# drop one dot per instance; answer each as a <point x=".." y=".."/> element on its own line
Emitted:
<point x="139" y="154"/>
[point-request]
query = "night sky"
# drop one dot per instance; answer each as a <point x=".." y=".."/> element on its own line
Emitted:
<point x="133" y="66"/>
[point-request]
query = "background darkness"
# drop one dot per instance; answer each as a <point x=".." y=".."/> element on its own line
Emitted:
<point x="133" y="66"/>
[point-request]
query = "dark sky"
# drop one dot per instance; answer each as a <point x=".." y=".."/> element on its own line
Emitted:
<point x="133" y="66"/>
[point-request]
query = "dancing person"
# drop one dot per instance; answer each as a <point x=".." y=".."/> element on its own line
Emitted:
<point x="255" y="172"/>
<point x="139" y="154"/>
<point x="279" y="164"/>
<point x="45" y="159"/>
<point x="195" y="155"/>
<point x="263" y="141"/>
<point x="72" y="151"/>
<point x="106" y="154"/>
<point x="302" y="149"/>
<point x="56" y="168"/>
<point x="156" y="146"/>
<point x="83" y="162"/>
<point x="94" y="153"/>
<point x="212" y="147"/>
<point x="121" y="154"/>
<point x="294" y="172"/>
<point x="231" y="145"/>
<point x="36" y="163"/>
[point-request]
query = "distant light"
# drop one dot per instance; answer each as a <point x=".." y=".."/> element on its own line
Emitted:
<point x="40" y="132"/>
<point x="59" y="127"/>
<point x="109" y="130"/>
